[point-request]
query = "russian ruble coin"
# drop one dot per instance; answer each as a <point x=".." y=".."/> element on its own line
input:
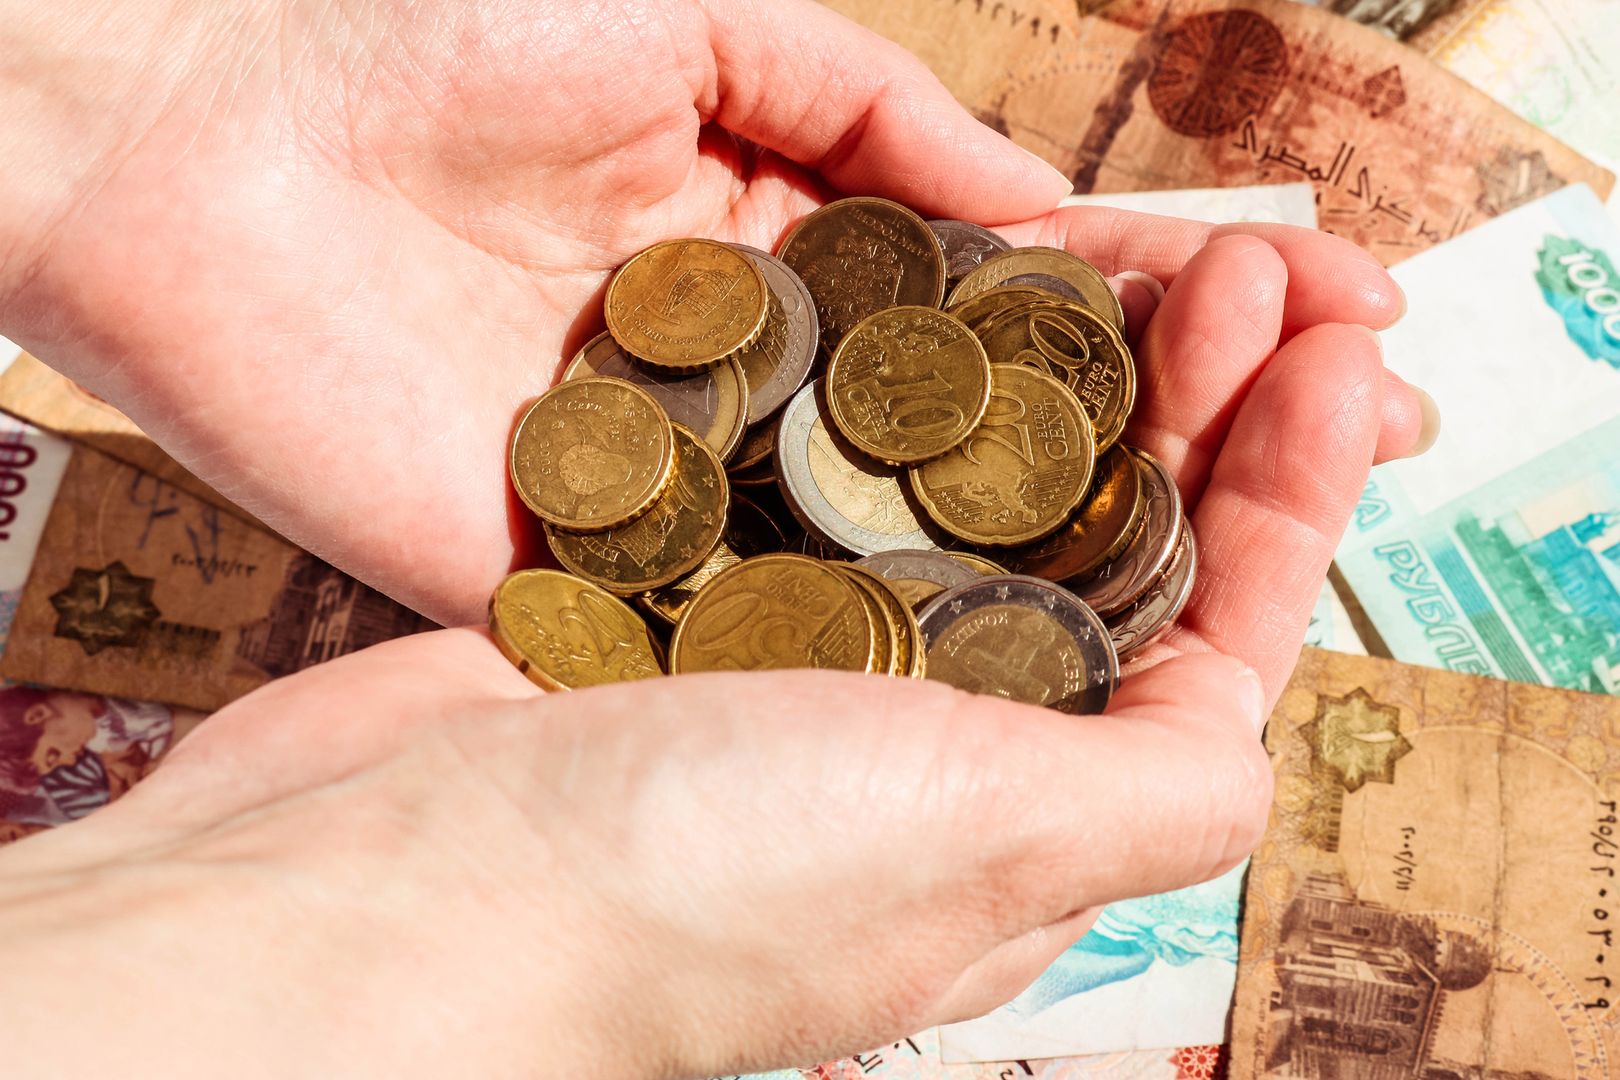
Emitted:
<point x="1080" y="275"/>
<point x="714" y="403"/>
<point x="907" y="659"/>
<point x="1118" y="584"/>
<point x="775" y="612"/>
<point x="919" y="576"/>
<point x="749" y="532"/>
<point x="839" y="495"/>
<point x="1023" y="639"/>
<point x="1076" y="346"/>
<point x="780" y="359"/>
<point x="667" y="542"/>
<point x="965" y="245"/>
<point x="1144" y="621"/>
<point x="686" y="304"/>
<point x="859" y="256"/>
<point x="1022" y="472"/>
<point x="908" y="384"/>
<point x="1099" y="532"/>
<point x="592" y="454"/>
<point x="567" y="634"/>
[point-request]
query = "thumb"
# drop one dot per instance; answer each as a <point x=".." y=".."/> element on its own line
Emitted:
<point x="865" y="113"/>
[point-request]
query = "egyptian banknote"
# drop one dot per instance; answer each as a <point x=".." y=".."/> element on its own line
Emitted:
<point x="63" y="753"/>
<point x="1139" y="95"/>
<point x="1282" y="204"/>
<point x="1498" y="552"/>
<point x="1437" y="894"/>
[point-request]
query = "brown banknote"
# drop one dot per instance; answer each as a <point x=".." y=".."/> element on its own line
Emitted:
<point x="33" y="392"/>
<point x="1437" y="896"/>
<point x="141" y="590"/>
<point x="1139" y="95"/>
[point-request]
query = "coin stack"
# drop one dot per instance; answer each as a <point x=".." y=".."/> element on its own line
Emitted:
<point x="893" y="447"/>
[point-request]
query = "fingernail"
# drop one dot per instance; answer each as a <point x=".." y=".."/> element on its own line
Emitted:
<point x="1252" y="696"/>
<point x="1430" y="432"/>
<point x="1146" y="280"/>
<point x="1400" y="301"/>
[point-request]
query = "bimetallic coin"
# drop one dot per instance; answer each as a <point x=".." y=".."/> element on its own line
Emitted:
<point x="713" y="403"/>
<point x="919" y="576"/>
<point x="779" y="361"/>
<point x="566" y="634"/>
<point x="686" y="304"/>
<point x="859" y="256"/>
<point x="907" y="384"/>
<point x="1021" y="638"/>
<point x="1099" y="532"/>
<point x="776" y="611"/>
<point x="1051" y="262"/>
<point x="907" y="659"/>
<point x="1116" y="585"/>
<point x="591" y="454"/>
<point x="1140" y="624"/>
<point x="841" y="496"/>
<point x="979" y="564"/>
<point x="749" y="532"/>
<point x="667" y="542"/>
<point x="1074" y="345"/>
<point x="1048" y="283"/>
<point x="1021" y="473"/>
<point x="965" y="245"/>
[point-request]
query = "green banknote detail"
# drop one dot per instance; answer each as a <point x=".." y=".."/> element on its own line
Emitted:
<point x="1581" y="284"/>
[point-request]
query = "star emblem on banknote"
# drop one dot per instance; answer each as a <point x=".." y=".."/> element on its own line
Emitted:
<point x="1357" y="738"/>
<point x="101" y="608"/>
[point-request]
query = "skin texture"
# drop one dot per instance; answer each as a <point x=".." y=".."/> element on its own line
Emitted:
<point x="325" y="252"/>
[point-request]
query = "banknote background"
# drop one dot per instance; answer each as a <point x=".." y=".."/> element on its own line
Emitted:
<point x="1433" y="897"/>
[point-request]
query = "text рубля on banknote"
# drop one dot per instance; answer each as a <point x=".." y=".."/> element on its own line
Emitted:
<point x="1498" y="552"/>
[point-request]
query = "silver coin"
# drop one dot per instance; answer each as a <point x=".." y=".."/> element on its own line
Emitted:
<point x="777" y="364"/>
<point x="919" y="576"/>
<point x="1123" y="582"/>
<point x="1151" y="616"/>
<point x="1049" y="283"/>
<point x="838" y="494"/>
<point x="966" y="245"/>
<point x="1023" y="639"/>
<point x="713" y="403"/>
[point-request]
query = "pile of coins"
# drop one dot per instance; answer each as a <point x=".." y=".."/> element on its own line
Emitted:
<point x="893" y="447"/>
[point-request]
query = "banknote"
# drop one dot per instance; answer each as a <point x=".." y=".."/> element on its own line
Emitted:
<point x="918" y="1058"/>
<point x="31" y="391"/>
<point x="1331" y="625"/>
<point x="1282" y="204"/>
<point x="1436" y="895"/>
<point x="1554" y="62"/>
<point x="1498" y="552"/>
<point x="63" y="753"/>
<point x="137" y="589"/>
<point x="1154" y="972"/>
<point x="1148" y="94"/>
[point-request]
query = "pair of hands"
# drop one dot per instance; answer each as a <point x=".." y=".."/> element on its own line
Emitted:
<point x="325" y="252"/>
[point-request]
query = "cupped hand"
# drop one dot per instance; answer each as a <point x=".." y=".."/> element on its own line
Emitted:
<point x="326" y="252"/>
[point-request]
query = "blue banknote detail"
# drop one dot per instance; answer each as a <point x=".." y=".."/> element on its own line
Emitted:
<point x="1130" y="936"/>
<point x="1518" y="579"/>
<point x="1580" y="283"/>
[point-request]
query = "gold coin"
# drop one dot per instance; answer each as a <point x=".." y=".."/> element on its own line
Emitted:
<point x="859" y="256"/>
<point x="1100" y="530"/>
<point x="908" y="659"/>
<point x="907" y="384"/>
<point x="1039" y="262"/>
<point x="885" y="634"/>
<point x="776" y="611"/>
<point x="1076" y="346"/>
<point x="567" y="634"/>
<point x="985" y="567"/>
<point x="758" y="444"/>
<point x="668" y="541"/>
<point x="749" y="532"/>
<point x="686" y="304"/>
<point x="713" y="403"/>
<point x="592" y="454"/>
<point x="978" y="309"/>
<point x="1021" y="473"/>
